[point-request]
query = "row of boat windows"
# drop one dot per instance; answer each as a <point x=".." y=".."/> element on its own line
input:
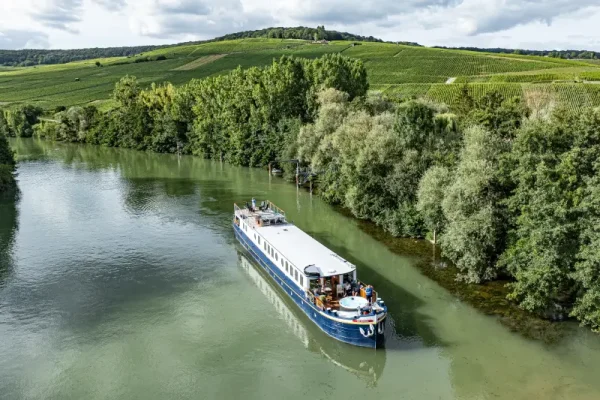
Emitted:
<point x="289" y="269"/>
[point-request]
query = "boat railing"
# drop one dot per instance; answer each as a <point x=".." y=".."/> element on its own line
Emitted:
<point x="275" y="208"/>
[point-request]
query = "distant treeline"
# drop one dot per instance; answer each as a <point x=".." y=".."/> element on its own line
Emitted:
<point x="27" y="57"/>
<point x="565" y="54"/>
<point x="299" y="32"/>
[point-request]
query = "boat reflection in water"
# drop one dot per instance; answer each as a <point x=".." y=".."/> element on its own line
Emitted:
<point x="365" y="363"/>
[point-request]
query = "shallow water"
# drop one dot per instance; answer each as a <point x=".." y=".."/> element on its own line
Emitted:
<point x="120" y="278"/>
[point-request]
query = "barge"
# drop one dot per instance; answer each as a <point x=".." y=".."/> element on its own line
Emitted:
<point x="321" y="283"/>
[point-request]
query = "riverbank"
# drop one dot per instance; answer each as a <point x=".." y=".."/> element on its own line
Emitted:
<point x="489" y="298"/>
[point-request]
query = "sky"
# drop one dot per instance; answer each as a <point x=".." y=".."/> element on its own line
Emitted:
<point x="529" y="24"/>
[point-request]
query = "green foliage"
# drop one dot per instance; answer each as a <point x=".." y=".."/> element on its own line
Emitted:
<point x="300" y="32"/>
<point x="565" y="54"/>
<point x="496" y="114"/>
<point x="554" y="206"/>
<point x="243" y="117"/>
<point x="587" y="268"/>
<point x="7" y="178"/>
<point x="510" y="195"/>
<point x="7" y="157"/>
<point x="432" y="190"/>
<point x="403" y="71"/>
<point x="472" y="206"/>
<point x="371" y="162"/>
<point x="22" y="119"/>
<point x="126" y="91"/>
<point x="28" y="57"/>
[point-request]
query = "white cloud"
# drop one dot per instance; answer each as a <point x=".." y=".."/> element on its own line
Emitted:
<point x="18" y="39"/>
<point x="486" y="23"/>
<point x="58" y="14"/>
<point x="189" y="19"/>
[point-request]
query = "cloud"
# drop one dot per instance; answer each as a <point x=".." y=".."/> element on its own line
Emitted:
<point x="65" y="14"/>
<point x="475" y="17"/>
<point x="59" y="14"/>
<point x="177" y="19"/>
<point x="505" y="23"/>
<point x="112" y="5"/>
<point x="183" y="7"/>
<point x="360" y="11"/>
<point x="21" y="39"/>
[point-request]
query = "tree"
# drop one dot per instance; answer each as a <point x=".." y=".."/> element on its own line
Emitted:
<point x="499" y="115"/>
<point x="432" y="189"/>
<point x="22" y="119"/>
<point x="553" y="205"/>
<point x="587" y="268"/>
<point x="464" y="103"/>
<point x="126" y="91"/>
<point x="472" y="206"/>
<point x="4" y="127"/>
<point x="7" y="158"/>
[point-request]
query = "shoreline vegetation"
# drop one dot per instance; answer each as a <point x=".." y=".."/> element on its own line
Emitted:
<point x="511" y="195"/>
<point x="7" y="159"/>
<point x="489" y="298"/>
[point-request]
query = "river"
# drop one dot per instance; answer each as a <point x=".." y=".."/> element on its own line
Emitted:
<point x="120" y="278"/>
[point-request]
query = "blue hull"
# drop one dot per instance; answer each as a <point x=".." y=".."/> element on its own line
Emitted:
<point x="346" y="332"/>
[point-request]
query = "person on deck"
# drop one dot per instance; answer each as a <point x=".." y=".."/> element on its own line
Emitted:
<point x="354" y="286"/>
<point x="347" y="289"/>
<point x="369" y="293"/>
<point x="323" y="299"/>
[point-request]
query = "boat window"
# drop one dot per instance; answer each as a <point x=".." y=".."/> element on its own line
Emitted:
<point x="259" y="240"/>
<point x="296" y="274"/>
<point x="265" y="246"/>
<point x="276" y="257"/>
<point x="301" y="280"/>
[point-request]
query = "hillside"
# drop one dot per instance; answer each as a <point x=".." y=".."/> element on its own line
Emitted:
<point x="30" y="57"/>
<point x="394" y="69"/>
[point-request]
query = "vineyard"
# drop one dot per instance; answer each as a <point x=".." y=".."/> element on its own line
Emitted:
<point x="396" y="70"/>
<point x="536" y="95"/>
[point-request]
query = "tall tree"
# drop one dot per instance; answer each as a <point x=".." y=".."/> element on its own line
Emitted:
<point x="476" y="227"/>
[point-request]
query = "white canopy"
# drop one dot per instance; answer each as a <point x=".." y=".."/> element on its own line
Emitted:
<point x="302" y="250"/>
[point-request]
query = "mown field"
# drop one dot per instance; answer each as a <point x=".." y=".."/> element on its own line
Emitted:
<point x="397" y="70"/>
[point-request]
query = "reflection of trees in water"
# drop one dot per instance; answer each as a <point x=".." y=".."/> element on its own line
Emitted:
<point x="8" y="231"/>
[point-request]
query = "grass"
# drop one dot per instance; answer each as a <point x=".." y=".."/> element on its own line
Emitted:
<point x="396" y="70"/>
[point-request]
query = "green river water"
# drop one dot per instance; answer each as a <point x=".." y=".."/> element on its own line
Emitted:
<point x="120" y="278"/>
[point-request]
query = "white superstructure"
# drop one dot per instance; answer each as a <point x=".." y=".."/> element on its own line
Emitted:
<point x="291" y="249"/>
